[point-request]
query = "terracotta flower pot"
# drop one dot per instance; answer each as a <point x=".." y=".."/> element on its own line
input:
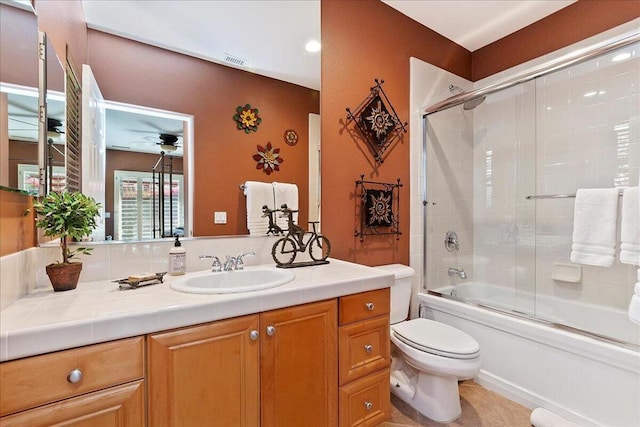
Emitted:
<point x="64" y="277"/>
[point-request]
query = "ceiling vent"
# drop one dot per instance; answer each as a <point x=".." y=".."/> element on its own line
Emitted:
<point x="234" y="60"/>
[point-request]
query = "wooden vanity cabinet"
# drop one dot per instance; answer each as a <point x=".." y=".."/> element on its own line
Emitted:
<point x="364" y="354"/>
<point x="100" y="384"/>
<point x="278" y="368"/>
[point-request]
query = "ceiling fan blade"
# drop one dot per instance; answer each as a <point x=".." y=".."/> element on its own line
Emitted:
<point x="23" y="122"/>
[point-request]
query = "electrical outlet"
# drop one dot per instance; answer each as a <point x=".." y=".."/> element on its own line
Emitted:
<point x="219" y="217"/>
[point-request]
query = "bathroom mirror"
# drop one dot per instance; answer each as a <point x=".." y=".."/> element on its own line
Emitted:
<point x="18" y="92"/>
<point x="212" y="172"/>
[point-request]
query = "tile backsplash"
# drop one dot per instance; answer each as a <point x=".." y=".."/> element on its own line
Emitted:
<point x="24" y="271"/>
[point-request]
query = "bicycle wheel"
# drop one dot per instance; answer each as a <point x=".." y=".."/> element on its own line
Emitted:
<point x="284" y="251"/>
<point x="319" y="248"/>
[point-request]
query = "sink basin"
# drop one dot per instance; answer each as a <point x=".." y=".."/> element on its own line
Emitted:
<point x="227" y="282"/>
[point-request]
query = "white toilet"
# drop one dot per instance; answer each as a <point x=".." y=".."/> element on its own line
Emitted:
<point x="428" y="358"/>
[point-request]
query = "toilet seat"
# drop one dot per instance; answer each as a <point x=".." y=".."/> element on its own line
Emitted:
<point x="436" y="338"/>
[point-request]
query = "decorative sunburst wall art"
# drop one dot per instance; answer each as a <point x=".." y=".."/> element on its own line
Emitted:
<point x="291" y="137"/>
<point x="377" y="120"/>
<point x="379" y="206"/>
<point x="247" y="118"/>
<point x="268" y="158"/>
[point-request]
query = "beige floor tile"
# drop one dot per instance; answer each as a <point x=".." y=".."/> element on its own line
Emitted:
<point x="480" y="408"/>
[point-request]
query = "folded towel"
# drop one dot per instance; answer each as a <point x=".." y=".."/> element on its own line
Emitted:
<point x="634" y="305"/>
<point x="594" y="226"/>
<point x="630" y="226"/>
<point x="286" y="194"/>
<point x="541" y="417"/>
<point x="258" y="194"/>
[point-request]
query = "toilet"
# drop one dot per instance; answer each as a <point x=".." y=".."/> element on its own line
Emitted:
<point x="428" y="358"/>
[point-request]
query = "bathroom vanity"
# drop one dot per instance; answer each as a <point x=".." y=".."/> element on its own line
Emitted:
<point x="312" y="352"/>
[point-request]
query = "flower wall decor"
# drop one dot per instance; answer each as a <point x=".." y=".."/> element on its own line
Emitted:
<point x="291" y="137"/>
<point x="377" y="121"/>
<point x="378" y="205"/>
<point x="247" y="118"/>
<point x="268" y="158"/>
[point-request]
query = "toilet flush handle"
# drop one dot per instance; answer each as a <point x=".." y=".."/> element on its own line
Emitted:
<point x="370" y="306"/>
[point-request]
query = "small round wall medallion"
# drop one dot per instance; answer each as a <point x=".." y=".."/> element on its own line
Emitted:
<point x="291" y="137"/>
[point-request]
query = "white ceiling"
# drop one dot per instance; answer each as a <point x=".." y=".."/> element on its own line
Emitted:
<point x="476" y="23"/>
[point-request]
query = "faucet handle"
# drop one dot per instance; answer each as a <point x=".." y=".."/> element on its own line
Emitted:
<point x="216" y="266"/>
<point x="240" y="263"/>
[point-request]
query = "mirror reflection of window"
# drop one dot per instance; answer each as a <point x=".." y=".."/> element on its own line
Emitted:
<point x="29" y="178"/>
<point x="134" y="198"/>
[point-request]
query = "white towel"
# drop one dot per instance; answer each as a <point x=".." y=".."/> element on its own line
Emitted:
<point x="258" y="194"/>
<point x="634" y="305"/>
<point x="286" y="194"/>
<point x="630" y="226"/>
<point x="541" y="417"/>
<point x="594" y="227"/>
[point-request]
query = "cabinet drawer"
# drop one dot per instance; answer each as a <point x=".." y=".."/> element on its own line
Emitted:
<point x="38" y="380"/>
<point x="364" y="348"/>
<point x="366" y="402"/>
<point x="364" y="306"/>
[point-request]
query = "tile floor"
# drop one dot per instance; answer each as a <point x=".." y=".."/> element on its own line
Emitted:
<point x="480" y="408"/>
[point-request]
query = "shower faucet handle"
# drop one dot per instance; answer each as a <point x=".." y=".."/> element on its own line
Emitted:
<point x="451" y="241"/>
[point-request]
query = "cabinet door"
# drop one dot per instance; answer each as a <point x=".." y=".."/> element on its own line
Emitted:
<point x="299" y="369"/>
<point x="205" y="375"/>
<point x="116" y="406"/>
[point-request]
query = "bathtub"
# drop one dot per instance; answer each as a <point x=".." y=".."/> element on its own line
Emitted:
<point x="590" y="381"/>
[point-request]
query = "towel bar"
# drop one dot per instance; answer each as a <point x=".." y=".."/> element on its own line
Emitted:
<point x="559" y="196"/>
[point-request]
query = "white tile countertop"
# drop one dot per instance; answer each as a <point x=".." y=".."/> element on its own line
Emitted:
<point x="45" y="321"/>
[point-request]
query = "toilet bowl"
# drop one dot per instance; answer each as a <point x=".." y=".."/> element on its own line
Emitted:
<point x="428" y="357"/>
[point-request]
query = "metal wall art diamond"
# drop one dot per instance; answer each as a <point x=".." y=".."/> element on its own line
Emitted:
<point x="377" y="121"/>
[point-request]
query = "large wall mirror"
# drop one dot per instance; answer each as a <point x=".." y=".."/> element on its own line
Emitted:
<point x="155" y="95"/>
<point x="22" y="75"/>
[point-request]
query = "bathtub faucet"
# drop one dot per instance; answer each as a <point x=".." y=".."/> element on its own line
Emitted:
<point x="457" y="272"/>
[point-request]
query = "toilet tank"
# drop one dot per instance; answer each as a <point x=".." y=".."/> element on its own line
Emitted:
<point x="400" y="291"/>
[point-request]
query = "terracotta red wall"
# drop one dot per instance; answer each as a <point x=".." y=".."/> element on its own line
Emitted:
<point x="576" y="22"/>
<point x="363" y="40"/>
<point x="128" y="161"/>
<point x="18" y="46"/>
<point x="140" y="74"/>
<point x="63" y="21"/>
<point x="17" y="222"/>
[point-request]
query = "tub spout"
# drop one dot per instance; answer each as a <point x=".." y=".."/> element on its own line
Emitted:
<point x="457" y="272"/>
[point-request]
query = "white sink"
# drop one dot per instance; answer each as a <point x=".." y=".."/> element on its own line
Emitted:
<point x="227" y="282"/>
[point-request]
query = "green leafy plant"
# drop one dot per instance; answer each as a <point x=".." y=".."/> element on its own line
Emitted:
<point x="67" y="215"/>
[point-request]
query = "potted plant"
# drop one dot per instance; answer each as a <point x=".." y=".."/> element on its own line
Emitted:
<point x="66" y="215"/>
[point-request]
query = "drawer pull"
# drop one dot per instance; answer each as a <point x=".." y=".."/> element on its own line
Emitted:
<point x="368" y="348"/>
<point x="74" y="376"/>
<point x="253" y="335"/>
<point x="368" y="406"/>
<point x="271" y="330"/>
<point x="370" y="306"/>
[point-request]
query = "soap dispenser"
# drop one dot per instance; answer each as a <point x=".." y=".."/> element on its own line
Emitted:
<point x="177" y="259"/>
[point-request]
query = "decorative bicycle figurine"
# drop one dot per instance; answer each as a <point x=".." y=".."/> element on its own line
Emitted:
<point x="285" y="249"/>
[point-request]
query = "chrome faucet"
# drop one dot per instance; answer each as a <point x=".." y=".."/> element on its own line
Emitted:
<point x="216" y="266"/>
<point x="240" y="263"/>
<point x="457" y="272"/>
<point x="230" y="263"/>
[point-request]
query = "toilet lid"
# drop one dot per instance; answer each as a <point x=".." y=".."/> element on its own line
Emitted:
<point x="436" y="338"/>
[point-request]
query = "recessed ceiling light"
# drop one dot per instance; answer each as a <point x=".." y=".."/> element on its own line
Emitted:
<point x="621" y="57"/>
<point x="312" y="46"/>
<point x="590" y="94"/>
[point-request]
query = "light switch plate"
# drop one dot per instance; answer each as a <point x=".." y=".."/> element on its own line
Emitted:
<point x="219" y="217"/>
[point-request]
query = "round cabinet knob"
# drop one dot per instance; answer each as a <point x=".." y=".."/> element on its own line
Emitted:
<point x="368" y="406"/>
<point x="368" y="348"/>
<point x="74" y="376"/>
<point x="271" y="330"/>
<point x="253" y="335"/>
<point x="370" y="306"/>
